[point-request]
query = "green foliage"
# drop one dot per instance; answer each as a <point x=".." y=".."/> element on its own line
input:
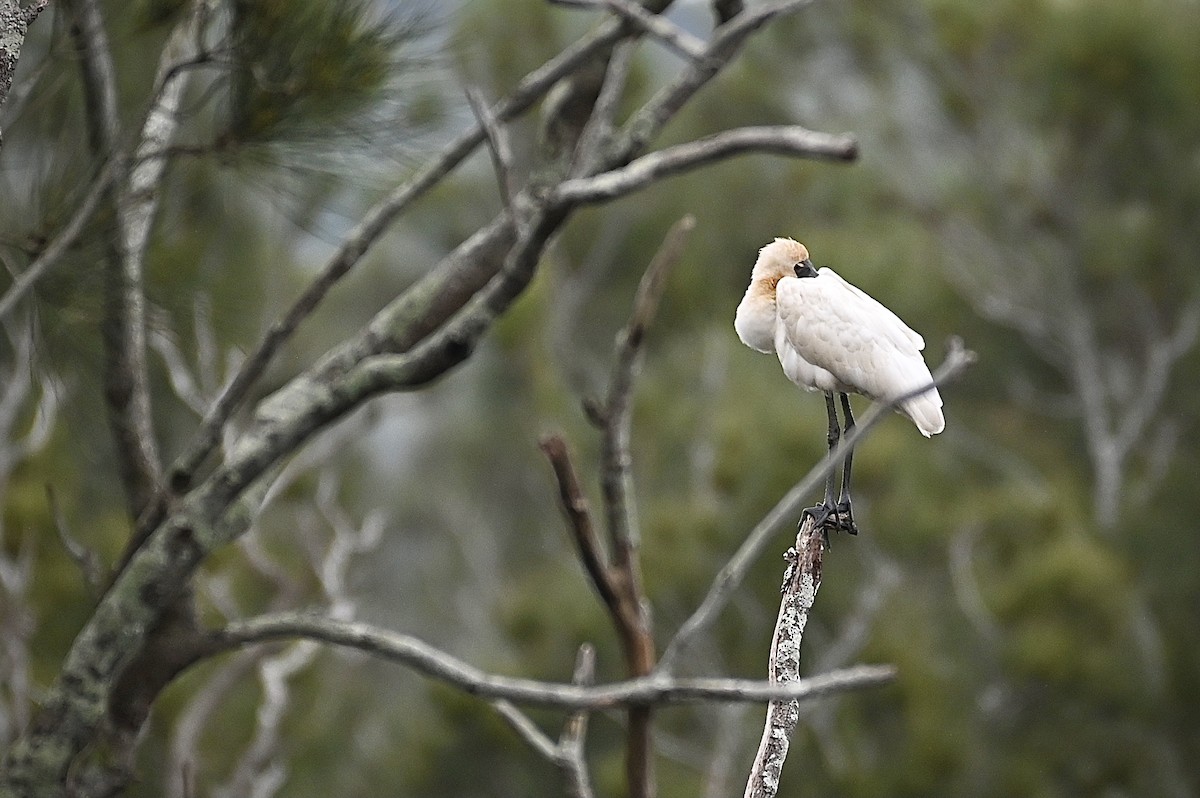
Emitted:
<point x="306" y="66"/>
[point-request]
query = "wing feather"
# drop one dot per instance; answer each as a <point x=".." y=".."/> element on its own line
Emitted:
<point x="862" y="345"/>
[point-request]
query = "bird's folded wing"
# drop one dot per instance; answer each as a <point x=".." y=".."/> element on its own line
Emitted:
<point x="860" y="342"/>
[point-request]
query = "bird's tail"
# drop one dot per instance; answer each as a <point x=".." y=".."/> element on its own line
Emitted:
<point x="926" y="412"/>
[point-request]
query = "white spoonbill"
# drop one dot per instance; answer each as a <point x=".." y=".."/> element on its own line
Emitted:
<point x="831" y="337"/>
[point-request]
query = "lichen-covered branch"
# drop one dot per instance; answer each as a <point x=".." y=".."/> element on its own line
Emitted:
<point x="14" y="22"/>
<point x="802" y="580"/>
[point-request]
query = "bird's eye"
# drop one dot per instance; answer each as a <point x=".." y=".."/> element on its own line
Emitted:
<point x="798" y="269"/>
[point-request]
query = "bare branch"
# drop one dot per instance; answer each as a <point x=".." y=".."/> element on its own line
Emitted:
<point x="623" y="591"/>
<point x="500" y="150"/>
<point x="599" y="127"/>
<point x="667" y="32"/>
<point x="87" y="560"/>
<point x="567" y="753"/>
<point x="725" y="43"/>
<point x="99" y="76"/>
<point x="615" y="457"/>
<point x="734" y="571"/>
<point x="438" y="665"/>
<point x="780" y="140"/>
<point x="570" y="742"/>
<point x="128" y="388"/>
<point x="579" y="520"/>
<point x="801" y="583"/>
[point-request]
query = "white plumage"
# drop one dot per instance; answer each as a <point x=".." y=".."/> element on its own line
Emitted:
<point x="832" y="337"/>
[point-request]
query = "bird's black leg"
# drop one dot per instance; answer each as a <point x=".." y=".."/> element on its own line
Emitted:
<point x="842" y="510"/>
<point x="821" y="512"/>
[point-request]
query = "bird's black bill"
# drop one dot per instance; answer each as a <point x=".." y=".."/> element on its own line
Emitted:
<point x="805" y="269"/>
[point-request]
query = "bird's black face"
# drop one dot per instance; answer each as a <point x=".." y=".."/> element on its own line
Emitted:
<point x="805" y="269"/>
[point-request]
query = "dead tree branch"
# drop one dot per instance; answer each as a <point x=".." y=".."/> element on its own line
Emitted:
<point x="442" y="667"/>
<point x="779" y="140"/>
<point x="567" y="754"/>
<point x="802" y="580"/>
<point x="619" y="581"/>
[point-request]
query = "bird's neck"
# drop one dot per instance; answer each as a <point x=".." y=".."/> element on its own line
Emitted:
<point x="764" y="287"/>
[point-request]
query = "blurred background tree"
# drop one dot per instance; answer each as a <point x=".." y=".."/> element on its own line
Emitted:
<point x="1029" y="179"/>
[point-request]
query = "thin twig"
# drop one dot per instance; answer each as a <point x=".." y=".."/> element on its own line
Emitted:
<point x="438" y="665"/>
<point x="574" y="505"/>
<point x="667" y="32"/>
<point x="526" y="729"/>
<point x="69" y="234"/>
<point x="567" y="753"/>
<point x="87" y="560"/>
<point x="570" y="742"/>
<point x="500" y="150"/>
<point x="598" y="129"/>
<point x="731" y="575"/>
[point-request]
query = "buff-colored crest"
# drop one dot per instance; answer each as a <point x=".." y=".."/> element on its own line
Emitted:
<point x="779" y="259"/>
<point x="787" y="249"/>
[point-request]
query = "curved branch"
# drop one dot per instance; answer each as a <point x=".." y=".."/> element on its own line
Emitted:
<point x="779" y="140"/>
<point x="442" y="667"/>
